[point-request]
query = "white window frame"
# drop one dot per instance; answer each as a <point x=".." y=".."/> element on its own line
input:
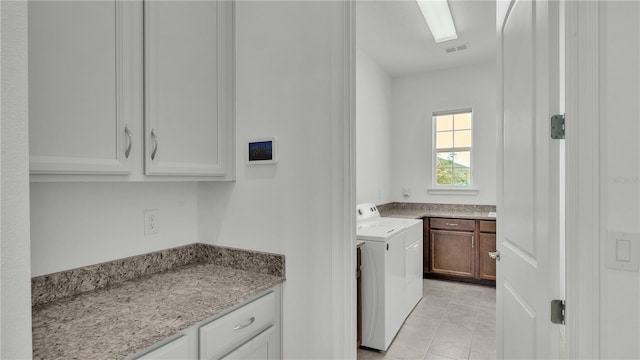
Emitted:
<point x="451" y="189"/>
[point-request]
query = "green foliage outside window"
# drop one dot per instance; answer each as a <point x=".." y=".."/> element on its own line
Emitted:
<point x="448" y="172"/>
<point x="453" y="146"/>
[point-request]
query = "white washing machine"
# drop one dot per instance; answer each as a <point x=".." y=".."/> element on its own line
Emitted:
<point x="391" y="273"/>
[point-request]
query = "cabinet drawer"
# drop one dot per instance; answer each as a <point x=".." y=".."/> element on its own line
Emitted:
<point x="487" y="226"/>
<point x="453" y="224"/>
<point x="261" y="347"/>
<point x="224" y="334"/>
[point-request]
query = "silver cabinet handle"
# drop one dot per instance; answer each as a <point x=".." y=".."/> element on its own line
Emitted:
<point x="154" y="136"/>
<point x="495" y="255"/>
<point x="242" y="326"/>
<point x="452" y="224"/>
<point x="472" y="241"/>
<point x="128" y="150"/>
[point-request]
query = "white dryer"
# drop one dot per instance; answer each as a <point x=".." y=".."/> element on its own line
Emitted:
<point x="391" y="273"/>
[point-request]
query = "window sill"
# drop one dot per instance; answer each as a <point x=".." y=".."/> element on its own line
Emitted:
<point x="453" y="191"/>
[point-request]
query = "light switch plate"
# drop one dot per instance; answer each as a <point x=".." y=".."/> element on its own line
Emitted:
<point x="623" y="251"/>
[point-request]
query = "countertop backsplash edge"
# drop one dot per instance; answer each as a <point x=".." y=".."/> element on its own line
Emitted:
<point x="59" y="285"/>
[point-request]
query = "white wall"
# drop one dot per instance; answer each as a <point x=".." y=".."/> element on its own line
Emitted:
<point x="286" y="77"/>
<point x="373" y="131"/>
<point x="415" y="98"/>
<point x="620" y="185"/>
<point x="79" y="224"/>
<point x="284" y="89"/>
<point x="15" y="284"/>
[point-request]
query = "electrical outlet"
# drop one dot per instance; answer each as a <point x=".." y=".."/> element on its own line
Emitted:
<point x="151" y="221"/>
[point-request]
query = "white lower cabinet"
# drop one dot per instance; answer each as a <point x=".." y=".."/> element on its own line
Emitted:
<point x="224" y="334"/>
<point x="250" y="331"/>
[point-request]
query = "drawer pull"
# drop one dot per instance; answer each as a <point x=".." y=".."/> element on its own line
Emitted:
<point x="452" y="224"/>
<point x="242" y="326"/>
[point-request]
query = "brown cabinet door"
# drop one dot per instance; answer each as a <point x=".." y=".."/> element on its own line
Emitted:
<point x="452" y="253"/>
<point x="487" y="269"/>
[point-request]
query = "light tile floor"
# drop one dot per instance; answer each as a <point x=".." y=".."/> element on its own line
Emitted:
<point x="452" y="321"/>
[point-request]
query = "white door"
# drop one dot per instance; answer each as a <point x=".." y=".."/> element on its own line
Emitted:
<point x="527" y="236"/>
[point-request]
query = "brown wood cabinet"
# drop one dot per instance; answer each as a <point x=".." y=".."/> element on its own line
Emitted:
<point x="486" y="243"/>
<point x="457" y="249"/>
<point x="452" y="253"/>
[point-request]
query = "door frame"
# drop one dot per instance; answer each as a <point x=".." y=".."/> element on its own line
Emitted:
<point x="583" y="180"/>
<point x="343" y="180"/>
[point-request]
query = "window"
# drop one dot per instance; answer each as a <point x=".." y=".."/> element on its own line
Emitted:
<point x="452" y="135"/>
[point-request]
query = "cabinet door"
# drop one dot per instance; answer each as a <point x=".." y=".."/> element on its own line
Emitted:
<point x="452" y="253"/>
<point x="262" y="347"/>
<point x="487" y="268"/>
<point x="78" y="118"/>
<point x="188" y="87"/>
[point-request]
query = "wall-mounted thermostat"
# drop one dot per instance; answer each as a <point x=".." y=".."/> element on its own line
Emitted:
<point x="262" y="151"/>
<point x="623" y="251"/>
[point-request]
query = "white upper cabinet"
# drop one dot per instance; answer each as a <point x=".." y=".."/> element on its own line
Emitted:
<point x="78" y="119"/>
<point x="188" y="76"/>
<point x="131" y="90"/>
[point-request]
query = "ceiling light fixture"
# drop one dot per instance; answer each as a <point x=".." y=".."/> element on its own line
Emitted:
<point x="439" y="19"/>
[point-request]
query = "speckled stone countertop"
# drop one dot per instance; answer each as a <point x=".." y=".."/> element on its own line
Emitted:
<point x="420" y="210"/>
<point x="123" y="317"/>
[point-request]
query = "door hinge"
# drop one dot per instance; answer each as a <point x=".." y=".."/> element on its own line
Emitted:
<point x="557" y="127"/>
<point x="557" y="311"/>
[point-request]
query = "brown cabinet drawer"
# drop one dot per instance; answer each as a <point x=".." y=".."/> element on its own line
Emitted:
<point x="453" y="224"/>
<point x="487" y="226"/>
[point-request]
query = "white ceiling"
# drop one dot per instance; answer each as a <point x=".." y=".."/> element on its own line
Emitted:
<point x="395" y="35"/>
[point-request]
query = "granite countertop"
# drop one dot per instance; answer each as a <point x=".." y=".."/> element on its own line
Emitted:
<point x="420" y="210"/>
<point x="120" y="319"/>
